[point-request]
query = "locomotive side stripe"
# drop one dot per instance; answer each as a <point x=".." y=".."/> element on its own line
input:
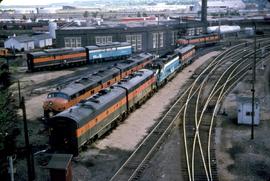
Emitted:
<point x="91" y="123"/>
<point x="58" y="57"/>
<point x="105" y="85"/>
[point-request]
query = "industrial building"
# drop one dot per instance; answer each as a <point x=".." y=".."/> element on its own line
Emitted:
<point x="20" y="43"/>
<point x="42" y="40"/>
<point x="245" y="111"/>
<point x="155" y="37"/>
<point x="26" y="43"/>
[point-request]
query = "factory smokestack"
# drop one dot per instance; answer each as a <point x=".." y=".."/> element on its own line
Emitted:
<point x="204" y="14"/>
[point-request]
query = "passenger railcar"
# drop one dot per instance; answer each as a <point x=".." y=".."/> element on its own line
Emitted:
<point x="74" y="92"/>
<point x="56" y="58"/>
<point x="108" y="52"/>
<point x="199" y="40"/>
<point x="90" y="119"/>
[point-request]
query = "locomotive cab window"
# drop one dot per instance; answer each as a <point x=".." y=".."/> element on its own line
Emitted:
<point x="58" y="95"/>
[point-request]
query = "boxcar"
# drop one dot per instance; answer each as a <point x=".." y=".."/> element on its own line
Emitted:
<point x="56" y="58"/>
<point x="90" y="119"/>
<point x="111" y="51"/>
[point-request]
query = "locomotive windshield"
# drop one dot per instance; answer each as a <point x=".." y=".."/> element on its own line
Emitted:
<point x="58" y="94"/>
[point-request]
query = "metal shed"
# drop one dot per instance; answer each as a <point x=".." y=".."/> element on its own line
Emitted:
<point x="60" y="167"/>
<point x="244" y="106"/>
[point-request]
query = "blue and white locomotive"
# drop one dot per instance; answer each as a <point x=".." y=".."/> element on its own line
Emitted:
<point x="106" y="52"/>
<point x="166" y="68"/>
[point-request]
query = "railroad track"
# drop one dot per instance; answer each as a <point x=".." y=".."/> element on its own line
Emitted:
<point x="134" y="166"/>
<point x="200" y="110"/>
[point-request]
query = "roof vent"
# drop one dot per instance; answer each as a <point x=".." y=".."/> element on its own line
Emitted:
<point x="96" y="96"/>
<point x="94" y="100"/>
<point x="85" y="78"/>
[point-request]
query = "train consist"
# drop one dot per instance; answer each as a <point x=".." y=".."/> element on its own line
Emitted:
<point x="76" y="56"/>
<point x="167" y="67"/>
<point x="74" y="92"/>
<point x="91" y="118"/>
<point x="199" y="40"/>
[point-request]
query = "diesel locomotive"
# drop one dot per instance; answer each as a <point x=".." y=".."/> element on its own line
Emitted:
<point x="61" y="57"/>
<point x="91" y="118"/>
<point x="199" y="40"/>
<point x="74" y="92"/>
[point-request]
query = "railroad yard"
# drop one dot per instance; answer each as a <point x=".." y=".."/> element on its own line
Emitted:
<point x="106" y="94"/>
<point x="112" y="150"/>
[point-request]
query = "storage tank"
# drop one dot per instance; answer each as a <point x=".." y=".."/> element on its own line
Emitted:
<point x="223" y="29"/>
<point x="52" y="28"/>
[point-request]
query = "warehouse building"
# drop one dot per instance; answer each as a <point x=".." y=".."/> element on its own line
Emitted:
<point x="21" y="43"/>
<point x="155" y="37"/>
<point x="27" y="43"/>
<point x="42" y="40"/>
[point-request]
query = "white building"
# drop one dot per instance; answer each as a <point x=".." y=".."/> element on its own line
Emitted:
<point x="23" y="42"/>
<point x="43" y="40"/>
<point x="245" y="111"/>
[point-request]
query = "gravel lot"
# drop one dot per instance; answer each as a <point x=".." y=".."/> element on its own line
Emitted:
<point x="239" y="157"/>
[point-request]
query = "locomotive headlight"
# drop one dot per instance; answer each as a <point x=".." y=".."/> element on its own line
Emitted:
<point x="50" y="103"/>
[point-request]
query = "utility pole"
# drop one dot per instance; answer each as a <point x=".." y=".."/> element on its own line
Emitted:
<point x="253" y="84"/>
<point x="29" y="155"/>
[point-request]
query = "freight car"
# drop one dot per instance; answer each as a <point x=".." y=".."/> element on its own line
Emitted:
<point x="108" y="52"/>
<point x="56" y="58"/>
<point x="90" y="119"/>
<point x="74" y="92"/>
<point x="62" y="57"/>
<point x="200" y="40"/>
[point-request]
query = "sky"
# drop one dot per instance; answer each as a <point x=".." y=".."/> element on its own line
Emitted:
<point x="32" y="2"/>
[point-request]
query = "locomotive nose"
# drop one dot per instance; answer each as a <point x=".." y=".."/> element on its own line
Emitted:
<point x="55" y="104"/>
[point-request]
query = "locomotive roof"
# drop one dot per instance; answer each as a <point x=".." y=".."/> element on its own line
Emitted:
<point x="103" y="75"/>
<point x="163" y="61"/>
<point x="90" y="108"/>
<point x="109" y="45"/>
<point x="90" y="81"/>
<point x="198" y="36"/>
<point x="184" y="49"/>
<point x="56" y="51"/>
<point x="98" y="103"/>
<point x="140" y="56"/>
<point x="133" y="80"/>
